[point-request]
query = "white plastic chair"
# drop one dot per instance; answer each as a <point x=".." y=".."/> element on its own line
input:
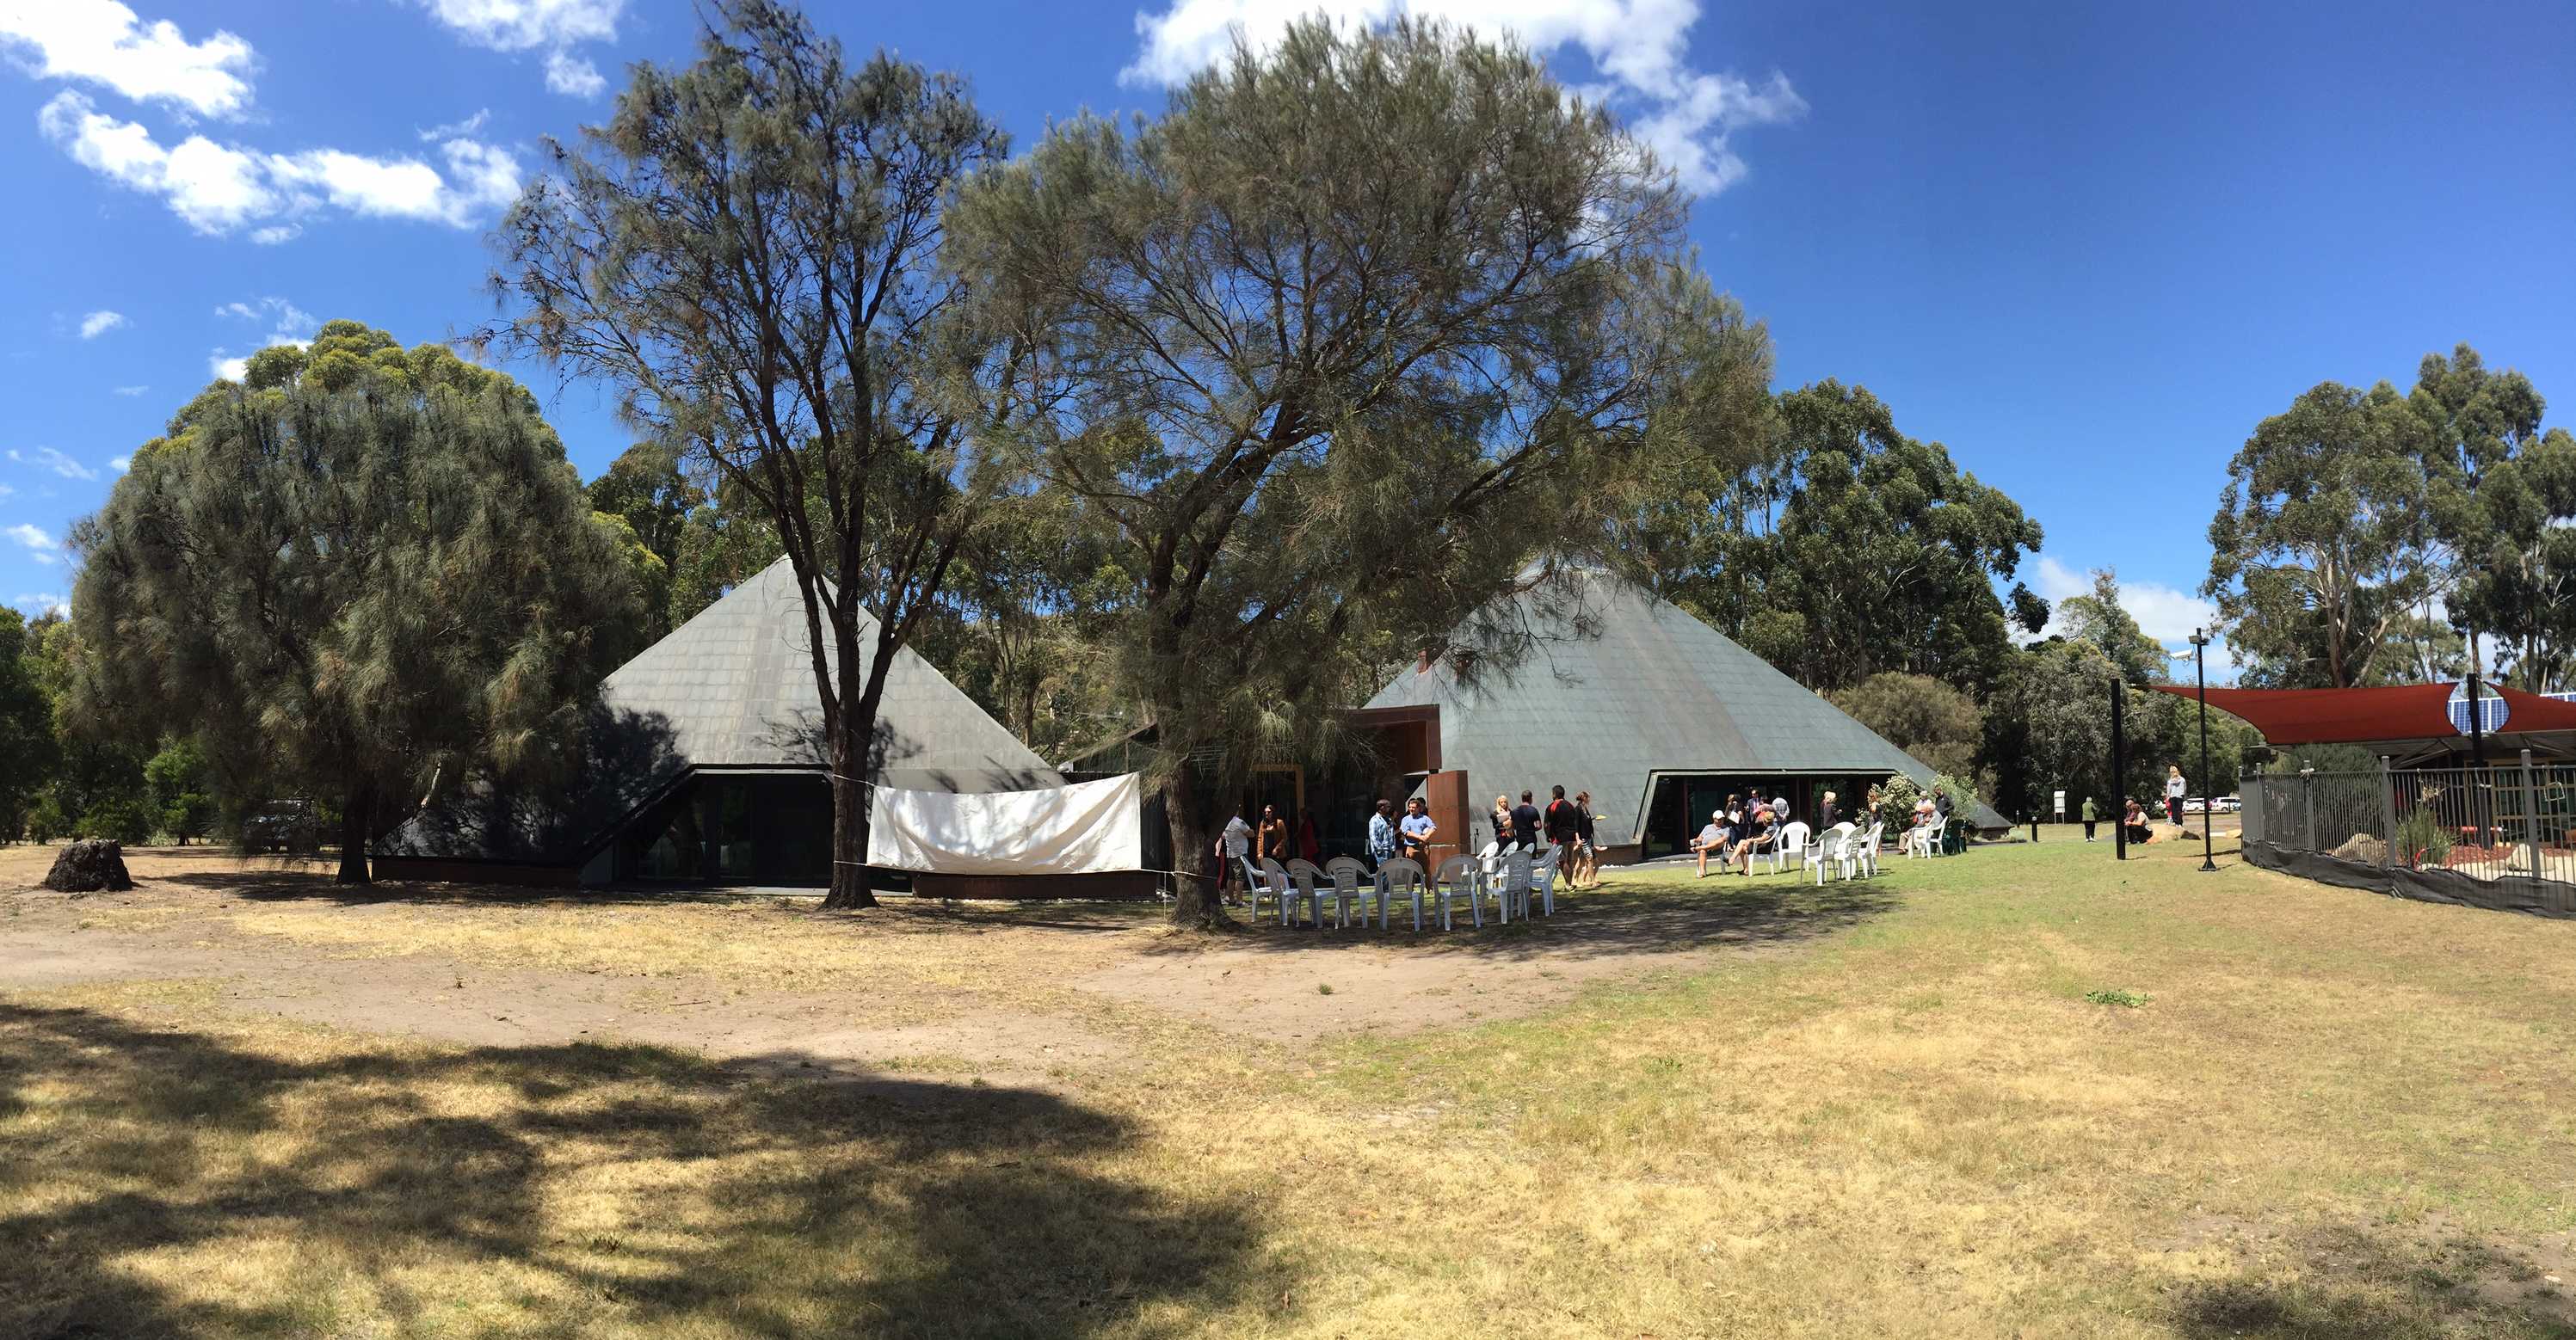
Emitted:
<point x="1490" y="861"/>
<point x="1282" y="888"/>
<point x="1460" y="877"/>
<point x="1350" y="876"/>
<point x="1313" y="887"/>
<point x="1791" y="848"/>
<point x="1831" y="850"/>
<point x="1919" y="839"/>
<point x="1254" y="886"/>
<point x="1542" y="882"/>
<point x="1399" y="878"/>
<point x="1864" y="853"/>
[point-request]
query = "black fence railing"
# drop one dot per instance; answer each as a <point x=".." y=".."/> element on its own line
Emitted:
<point x="2502" y="836"/>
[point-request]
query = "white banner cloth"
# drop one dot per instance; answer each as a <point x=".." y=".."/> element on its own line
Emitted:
<point x="1064" y="830"/>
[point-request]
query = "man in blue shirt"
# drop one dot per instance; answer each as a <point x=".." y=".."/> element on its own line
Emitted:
<point x="1381" y="833"/>
<point x="1417" y="828"/>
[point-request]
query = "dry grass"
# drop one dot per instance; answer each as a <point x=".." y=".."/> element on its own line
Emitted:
<point x="2337" y="1115"/>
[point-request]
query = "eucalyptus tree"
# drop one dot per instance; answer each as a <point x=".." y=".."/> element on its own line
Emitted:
<point x="1333" y="347"/>
<point x="747" y="251"/>
<point x="1868" y="551"/>
<point x="2319" y="548"/>
<point x="366" y="568"/>
<point x="2502" y="491"/>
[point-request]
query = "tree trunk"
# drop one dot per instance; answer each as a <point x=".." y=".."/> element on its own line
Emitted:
<point x="355" y="810"/>
<point x="850" y="798"/>
<point x="1191" y="816"/>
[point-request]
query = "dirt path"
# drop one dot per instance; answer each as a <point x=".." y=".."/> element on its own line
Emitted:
<point x="1035" y="996"/>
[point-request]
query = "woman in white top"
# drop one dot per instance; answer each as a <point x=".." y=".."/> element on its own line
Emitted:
<point x="2174" y="787"/>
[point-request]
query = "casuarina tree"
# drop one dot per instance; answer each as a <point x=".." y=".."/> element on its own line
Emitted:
<point x="747" y="251"/>
<point x="364" y="568"/>
<point x="1333" y="347"/>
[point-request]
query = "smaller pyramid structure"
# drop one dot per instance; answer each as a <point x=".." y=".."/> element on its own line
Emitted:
<point x="734" y="688"/>
<point x="730" y="691"/>
<point x="1623" y="687"/>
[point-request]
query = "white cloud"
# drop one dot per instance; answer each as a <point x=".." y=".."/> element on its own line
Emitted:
<point x="47" y="458"/>
<point x="274" y="234"/>
<point x="43" y="603"/>
<point x="99" y="323"/>
<point x="469" y="126"/>
<point x="40" y="546"/>
<point x="121" y="464"/>
<point x="218" y="188"/>
<point x="2163" y="613"/>
<point x="102" y="42"/>
<point x="5" y="490"/>
<point x="522" y="25"/>
<point x="131" y="390"/>
<point x="574" y="76"/>
<point x="214" y="188"/>
<point x="526" y="25"/>
<point x="1639" y="47"/>
<point x="227" y="369"/>
<point x="288" y="318"/>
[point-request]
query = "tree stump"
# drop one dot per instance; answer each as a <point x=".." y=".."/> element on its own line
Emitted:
<point x="87" y="867"/>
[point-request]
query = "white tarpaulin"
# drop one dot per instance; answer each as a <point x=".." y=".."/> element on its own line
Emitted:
<point x="1064" y="830"/>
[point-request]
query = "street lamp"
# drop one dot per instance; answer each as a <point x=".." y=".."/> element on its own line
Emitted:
<point x="2208" y="787"/>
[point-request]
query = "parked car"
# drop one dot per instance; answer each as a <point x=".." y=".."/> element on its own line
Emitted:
<point x="286" y="825"/>
<point x="2231" y="805"/>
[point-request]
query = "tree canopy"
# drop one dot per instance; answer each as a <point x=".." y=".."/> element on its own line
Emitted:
<point x="747" y="250"/>
<point x="363" y="568"/>
<point x="1332" y="348"/>
<point x="1848" y="549"/>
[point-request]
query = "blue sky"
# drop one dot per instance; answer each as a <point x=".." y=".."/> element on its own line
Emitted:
<point x="2086" y="246"/>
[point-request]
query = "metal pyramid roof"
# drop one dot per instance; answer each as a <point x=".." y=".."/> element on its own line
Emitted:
<point x="1653" y="691"/>
<point x="734" y="687"/>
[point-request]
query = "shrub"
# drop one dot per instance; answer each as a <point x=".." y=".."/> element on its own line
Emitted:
<point x="45" y="820"/>
<point x="2421" y="839"/>
<point x="122" y="819"/>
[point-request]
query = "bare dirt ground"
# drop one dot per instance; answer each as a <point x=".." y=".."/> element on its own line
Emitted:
<point x="1034" y="995"/>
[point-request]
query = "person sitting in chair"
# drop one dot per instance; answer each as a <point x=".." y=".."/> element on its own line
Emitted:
<point x="1759" y="834"/>
<point x="1711" y="839"/>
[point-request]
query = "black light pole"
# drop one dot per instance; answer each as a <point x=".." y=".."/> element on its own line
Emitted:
<point x="2209" y="792"/>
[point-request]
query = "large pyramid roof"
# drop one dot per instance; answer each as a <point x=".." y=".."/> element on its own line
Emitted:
<point x="1655" y="691"/>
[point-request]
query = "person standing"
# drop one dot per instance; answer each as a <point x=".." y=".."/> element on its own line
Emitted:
<point x="1413" y="836"/>
<point x="1502" y="822"/>
<point x="2174" y="787"/>
<point x="1827" y="813"/>
<point x="1381" y="837"/>
<point x="1525" y="822"/>
<point x="1271" y="843"/>
<point x="2091" y="815"/>
<point x="1587" y="855"/>
<point x="1562" y="829"/>
<point x="1308" y="845"/>
<point x="1232" y="846"/>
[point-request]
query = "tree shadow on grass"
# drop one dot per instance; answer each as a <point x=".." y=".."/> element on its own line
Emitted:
<point x="175" y="1183"/>
<point x="2387" y="1283"/>
<point x="1640" y="919"/>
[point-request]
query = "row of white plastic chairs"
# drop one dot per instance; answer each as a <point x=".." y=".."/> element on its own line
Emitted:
<point x="1508" y="877"/>
<point x="1842" y="848"/>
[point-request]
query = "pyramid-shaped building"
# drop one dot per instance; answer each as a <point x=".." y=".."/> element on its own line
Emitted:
<point x="1656" y="714"/>
<point x="708" y="764"/>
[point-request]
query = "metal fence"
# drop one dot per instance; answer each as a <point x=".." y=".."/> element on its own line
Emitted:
<point x="2501" y="836"/>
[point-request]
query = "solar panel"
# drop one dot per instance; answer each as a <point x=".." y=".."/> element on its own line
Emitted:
<point x="2492" y="710"/>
